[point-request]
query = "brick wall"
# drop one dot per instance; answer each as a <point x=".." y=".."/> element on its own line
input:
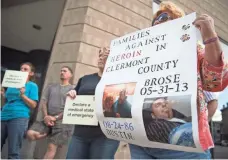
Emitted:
<point x="218" y="9"/>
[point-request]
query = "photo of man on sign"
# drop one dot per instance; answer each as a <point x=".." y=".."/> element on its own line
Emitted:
<point x="164" y="123"/>
<point x="117" y="100"/>
<point x="122" y="108"/>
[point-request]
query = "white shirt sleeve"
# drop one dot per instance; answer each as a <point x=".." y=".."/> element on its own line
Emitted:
<point x="209" y="96"/>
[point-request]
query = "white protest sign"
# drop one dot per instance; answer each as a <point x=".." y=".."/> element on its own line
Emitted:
<point x="14" y="79"/>
<point x="147" y="93"/>
<point x="80" y="110"/>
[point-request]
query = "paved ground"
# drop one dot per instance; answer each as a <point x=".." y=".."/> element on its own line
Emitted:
<point x="123" y="152"/>
<point x="221" y="152"/>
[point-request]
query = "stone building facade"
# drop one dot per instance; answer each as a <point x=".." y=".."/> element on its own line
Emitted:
<point x="218" y="9"/>
<point x="86" y="25"/>
<point x="224" y="126"/>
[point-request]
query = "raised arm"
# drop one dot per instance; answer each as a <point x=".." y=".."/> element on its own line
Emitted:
<point x="213" y="69"/>
<point x="213" y="49"/>
<point x="214" y="79"/>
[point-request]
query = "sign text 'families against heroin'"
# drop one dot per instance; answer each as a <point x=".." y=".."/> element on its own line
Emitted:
<point x="143" y="64"/>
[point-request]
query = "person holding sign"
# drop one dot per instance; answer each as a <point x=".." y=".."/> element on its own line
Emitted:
<point x="16" y="111"/>
<point x="53" y="103"/>
<point x="88" y="142"/>
<point x="212" y="76"/>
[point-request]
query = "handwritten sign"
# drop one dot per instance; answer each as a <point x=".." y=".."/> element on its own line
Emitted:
<point x="14" y="79"/>
<point x="147" y="93"/>
<point x="81" y="111"/>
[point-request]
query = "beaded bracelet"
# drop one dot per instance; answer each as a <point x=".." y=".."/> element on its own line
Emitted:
<point x="210" y="40"/>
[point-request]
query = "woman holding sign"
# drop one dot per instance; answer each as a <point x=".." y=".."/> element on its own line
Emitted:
<point x="15" y="113"/>
<point x="212" y="76"/>
<point x="89" y="142"/>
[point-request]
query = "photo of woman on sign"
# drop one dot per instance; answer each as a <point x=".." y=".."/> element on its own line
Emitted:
<point x="108" y="102"/>
<point x="165" y="124"/>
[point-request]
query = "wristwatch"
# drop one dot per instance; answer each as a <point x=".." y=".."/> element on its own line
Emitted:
<point x="56" y="117"/>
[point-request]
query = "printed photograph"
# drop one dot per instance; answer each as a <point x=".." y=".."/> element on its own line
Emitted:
<point x="168" y="120"/>
<point x="117" y="100"/>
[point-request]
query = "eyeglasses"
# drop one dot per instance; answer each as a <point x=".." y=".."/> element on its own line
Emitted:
<point x="161" y="18"/>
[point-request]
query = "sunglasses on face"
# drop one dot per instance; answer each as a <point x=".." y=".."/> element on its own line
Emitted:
<point x="161" y="18"/>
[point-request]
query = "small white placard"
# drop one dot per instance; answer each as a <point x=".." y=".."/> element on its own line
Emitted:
<point x="81" y="111"/>
<point x="14" y="79"/>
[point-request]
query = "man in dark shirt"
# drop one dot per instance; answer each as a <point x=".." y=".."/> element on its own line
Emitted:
<point x="122" y="108"/>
